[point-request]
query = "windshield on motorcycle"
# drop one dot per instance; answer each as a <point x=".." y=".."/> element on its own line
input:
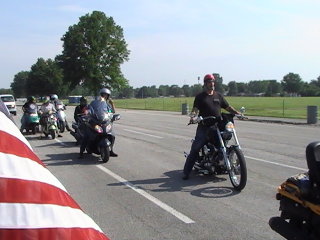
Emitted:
<point x="101" y="111"/>
<point x="32" y="108"/>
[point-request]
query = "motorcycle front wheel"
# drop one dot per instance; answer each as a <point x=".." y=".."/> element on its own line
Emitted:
<point x="238" y="171"/>
<point x="105" y="154"/>
<point x="62" y="126"/>
<point x="52" y="133"/>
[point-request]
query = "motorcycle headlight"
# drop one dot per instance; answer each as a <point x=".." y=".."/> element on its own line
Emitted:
<point x="108" y="128"/>
<point x="229" y="127"/>
<point x="98" y="129"/>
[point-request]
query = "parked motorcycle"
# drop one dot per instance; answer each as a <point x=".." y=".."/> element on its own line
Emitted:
<point x="31" y="118"/>
<point x="228" y="158"/>
<point x="49" y="124"/>
<point x="61" y="117"/>
<point x="299" y="198"/>
<point x="101" y="137"/>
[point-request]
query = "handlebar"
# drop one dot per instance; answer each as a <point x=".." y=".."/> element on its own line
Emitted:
<point x="241" y="117"/>
<point x="199" y="119"/>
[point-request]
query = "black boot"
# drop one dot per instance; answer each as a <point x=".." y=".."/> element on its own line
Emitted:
<point x="113" y="154"/>
<point x="185" y="176"/>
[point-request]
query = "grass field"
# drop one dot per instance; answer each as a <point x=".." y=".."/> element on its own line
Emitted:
<point x="286" y="107"/>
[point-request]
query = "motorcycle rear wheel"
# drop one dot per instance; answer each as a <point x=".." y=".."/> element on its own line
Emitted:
<point x="238" y="172"/>
<point x="105" y="154"/>
<point x="34" y="129"/>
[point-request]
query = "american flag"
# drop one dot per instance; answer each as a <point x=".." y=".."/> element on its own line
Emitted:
<point x="33" y="203"/>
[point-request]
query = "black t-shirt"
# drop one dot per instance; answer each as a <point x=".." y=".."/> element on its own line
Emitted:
<point x="80" y="109"/>
<point x="210" y="105"/>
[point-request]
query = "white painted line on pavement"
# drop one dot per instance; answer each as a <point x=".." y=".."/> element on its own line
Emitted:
<point x="279" y="164"/>
<point x="150" y="135"/>
<point x="156" y="201"/>
<point x="62" y="143"/>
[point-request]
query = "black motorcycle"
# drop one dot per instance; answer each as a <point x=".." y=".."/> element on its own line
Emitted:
<point x="227" y="157"/>
<point x="299" y="198"/>
<point x="100" y="136"/>
<point x="79" y="128"/>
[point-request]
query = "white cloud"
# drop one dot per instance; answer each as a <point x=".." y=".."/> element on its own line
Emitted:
<point x="73" y="8"/>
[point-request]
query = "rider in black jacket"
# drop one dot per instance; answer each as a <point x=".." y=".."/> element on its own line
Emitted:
<point x="207" y="103"/>
<point x="80" y="109"/>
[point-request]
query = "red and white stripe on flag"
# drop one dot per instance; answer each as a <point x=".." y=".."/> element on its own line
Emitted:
<point x="33" y="203"/>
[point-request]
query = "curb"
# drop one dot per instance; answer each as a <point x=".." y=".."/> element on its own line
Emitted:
<point x="283" y="122"/>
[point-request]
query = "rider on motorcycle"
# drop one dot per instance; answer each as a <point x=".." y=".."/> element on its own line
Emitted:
<point x="207" y="103"/>
<point x="56" y="102"/>
<point x="46" y="108"/>
<point x="100" y="102"/>
<point x="31" y="103"/>
<point x="81" y="109"/>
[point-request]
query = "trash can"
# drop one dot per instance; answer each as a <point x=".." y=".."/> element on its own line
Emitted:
<point x="312" y="113"/>
<point x="184" y="109"/>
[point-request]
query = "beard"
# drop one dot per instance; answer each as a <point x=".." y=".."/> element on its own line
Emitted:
<point x="209" y="88"/>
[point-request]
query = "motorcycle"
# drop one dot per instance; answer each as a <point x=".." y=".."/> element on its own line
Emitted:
<point x="49" y="124"/>
<point x="78" y="128"/>
<point x="31" y="119"/>
<point x="228" y="158"/>
<point x="299" y="198"/>
<point x="61" y="117"/>
<point x="101" y="137"/>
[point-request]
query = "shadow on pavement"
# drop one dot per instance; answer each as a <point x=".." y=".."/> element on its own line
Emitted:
<point x="60" y="159"/>
<point x="173" y="183"/>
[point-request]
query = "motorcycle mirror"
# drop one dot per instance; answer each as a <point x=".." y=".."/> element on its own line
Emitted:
<point x="116" y="117"/>
<point x="242" y="109"/>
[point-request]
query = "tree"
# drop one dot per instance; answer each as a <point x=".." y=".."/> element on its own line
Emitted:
<point x="311" y="89"/>
<point x="6" y="91"/>
<point x="163" y="90"/>
<point x="258" y="86"/>
<point x="292" y="83"/>
<point x="44" y="78"/>
<point x="143" y="92"/>
<point x="175" y="90"/>
<point x="273" y="88"/>
<point x="242" y="88"/>
<point x="186" y="90"/>
<point x="18" y="85"/>
<point x="316" y="83"/>
<point x="93" y="51"/>
<point x="218" y="86"/>
<point x="195" y="89"/>
<point x="126" y="92"/>
<point x="233" y="90"/>
<point x="153" y="91"/>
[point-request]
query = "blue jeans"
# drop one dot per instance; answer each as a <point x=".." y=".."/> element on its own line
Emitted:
<point x="199" y="141"/>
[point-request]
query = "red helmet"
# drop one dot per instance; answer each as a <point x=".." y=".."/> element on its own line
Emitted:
<point x="208" y="78"/>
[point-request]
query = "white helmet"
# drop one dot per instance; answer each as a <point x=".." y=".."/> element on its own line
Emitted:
<point x="105" y="91"/>
<point x="53" y="97"/>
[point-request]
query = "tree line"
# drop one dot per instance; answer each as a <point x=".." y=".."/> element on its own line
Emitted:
<point x="93" y="51"/>
<point x="290" y="85"/>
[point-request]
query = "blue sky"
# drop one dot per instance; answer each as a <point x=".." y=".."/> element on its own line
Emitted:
<point x="175" y="41"/>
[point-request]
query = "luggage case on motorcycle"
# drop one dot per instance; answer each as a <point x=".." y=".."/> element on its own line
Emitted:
<point x="299" y="199"/>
